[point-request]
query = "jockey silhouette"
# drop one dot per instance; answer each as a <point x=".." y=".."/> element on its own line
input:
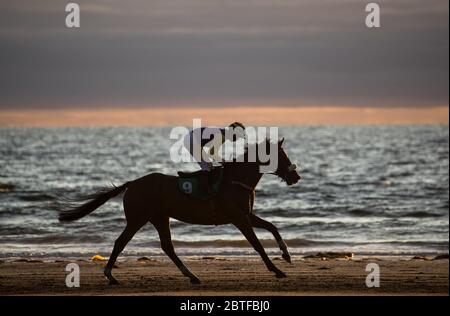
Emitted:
<point x="196" y="140"/>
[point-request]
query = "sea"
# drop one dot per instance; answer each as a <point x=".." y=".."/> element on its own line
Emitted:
<point x="370" y="190"/>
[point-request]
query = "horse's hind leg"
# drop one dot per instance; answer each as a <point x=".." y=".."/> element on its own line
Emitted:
<point x="244" y="225"/>
<point x="162" y="226"/>
<point x="119" y="245"/>
<point x="260" y="223"/>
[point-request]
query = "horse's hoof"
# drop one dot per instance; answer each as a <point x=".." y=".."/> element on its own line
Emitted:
<point x="280" y="275"/>
<point x="111" y="279"/>
<point x="286" y="257"/>
<point x="195" y="281"/>
<point x="113" y="282"/>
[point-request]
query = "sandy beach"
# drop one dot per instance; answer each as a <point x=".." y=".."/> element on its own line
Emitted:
<point x="227" y="276"/>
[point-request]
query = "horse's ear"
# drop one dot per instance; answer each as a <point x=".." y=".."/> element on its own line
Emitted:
<point x="280" y="142"/>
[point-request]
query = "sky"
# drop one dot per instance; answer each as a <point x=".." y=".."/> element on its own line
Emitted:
<point x="223" y="54"/>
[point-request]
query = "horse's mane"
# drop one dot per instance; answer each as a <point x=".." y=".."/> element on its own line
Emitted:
<point x="248" y="146"/>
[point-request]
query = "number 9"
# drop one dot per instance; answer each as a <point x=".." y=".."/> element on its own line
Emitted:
<point x="187" y="187"/>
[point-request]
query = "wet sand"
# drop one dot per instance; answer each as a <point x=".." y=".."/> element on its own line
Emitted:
<point x="227" y="276"/>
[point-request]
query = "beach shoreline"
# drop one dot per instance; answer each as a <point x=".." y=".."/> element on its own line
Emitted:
<point x="229" y="276"/>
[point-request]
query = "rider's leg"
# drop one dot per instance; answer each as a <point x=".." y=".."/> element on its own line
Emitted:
<point x="205" y="176"/>
<point x="205" y="166"/>
<point x="200" y="156"/>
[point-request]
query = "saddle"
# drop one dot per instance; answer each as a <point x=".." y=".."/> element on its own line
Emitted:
<point x="190" y="183"/>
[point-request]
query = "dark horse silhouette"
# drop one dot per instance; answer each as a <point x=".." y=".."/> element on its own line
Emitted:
<point x="155" y="198"/>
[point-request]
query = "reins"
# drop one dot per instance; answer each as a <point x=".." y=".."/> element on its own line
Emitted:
<point x="245" y="186"/>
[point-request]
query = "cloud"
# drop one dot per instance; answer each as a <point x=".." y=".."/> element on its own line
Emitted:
<point x="218" y="53"/>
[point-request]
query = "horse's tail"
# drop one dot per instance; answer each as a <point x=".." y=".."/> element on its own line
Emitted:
<point x="71" y="213"/>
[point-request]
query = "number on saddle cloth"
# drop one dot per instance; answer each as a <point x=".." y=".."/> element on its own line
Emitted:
<point x="189" y="183"/>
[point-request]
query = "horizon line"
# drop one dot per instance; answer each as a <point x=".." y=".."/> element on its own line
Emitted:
<point x="251" y="115"/>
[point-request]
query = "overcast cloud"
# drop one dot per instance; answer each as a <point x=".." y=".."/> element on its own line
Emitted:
<point x="216" y="53"/>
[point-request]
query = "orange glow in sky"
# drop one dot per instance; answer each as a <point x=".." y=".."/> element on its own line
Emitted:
<point x="268" y="116"/>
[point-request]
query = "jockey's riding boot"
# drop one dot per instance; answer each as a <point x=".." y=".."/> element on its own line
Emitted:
<point x="204" y="182"/>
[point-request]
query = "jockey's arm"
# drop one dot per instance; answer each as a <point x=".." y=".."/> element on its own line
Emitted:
<point x="206" y="156"/>
<point x="215" y="155"/>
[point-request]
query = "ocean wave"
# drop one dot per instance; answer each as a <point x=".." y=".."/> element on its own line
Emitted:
<point x="361" y="213"/>
<point x="337" y="184"/>
<point x="242" y="243"/>
<point x="400" y="174"/>
<point x="34" y="197"/>
<point x="53" y="239"/>
<point x="419" y="214"/>
<point x="93" y="241"/>
<point x="289" y="213"/>
<point x="393" y="214"/>
<point x="21" y="230"/>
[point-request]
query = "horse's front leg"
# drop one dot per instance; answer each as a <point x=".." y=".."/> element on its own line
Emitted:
<point x="258" y="222"/>
<point x="244" y="225"/>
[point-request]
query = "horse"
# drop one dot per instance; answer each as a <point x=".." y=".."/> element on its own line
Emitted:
<point x="155" y="198"/>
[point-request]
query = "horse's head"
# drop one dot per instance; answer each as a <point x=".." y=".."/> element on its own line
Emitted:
<point x="286" y="170"/>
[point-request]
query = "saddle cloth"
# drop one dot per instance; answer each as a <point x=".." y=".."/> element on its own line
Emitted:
<point x="189" y="183"/>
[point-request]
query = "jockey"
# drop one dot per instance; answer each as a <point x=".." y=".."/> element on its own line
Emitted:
<point x="196" y="140"/>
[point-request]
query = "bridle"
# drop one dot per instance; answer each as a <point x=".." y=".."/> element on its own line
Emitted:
<point x="290" y="168"/>
<point x="245" y="186"/>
